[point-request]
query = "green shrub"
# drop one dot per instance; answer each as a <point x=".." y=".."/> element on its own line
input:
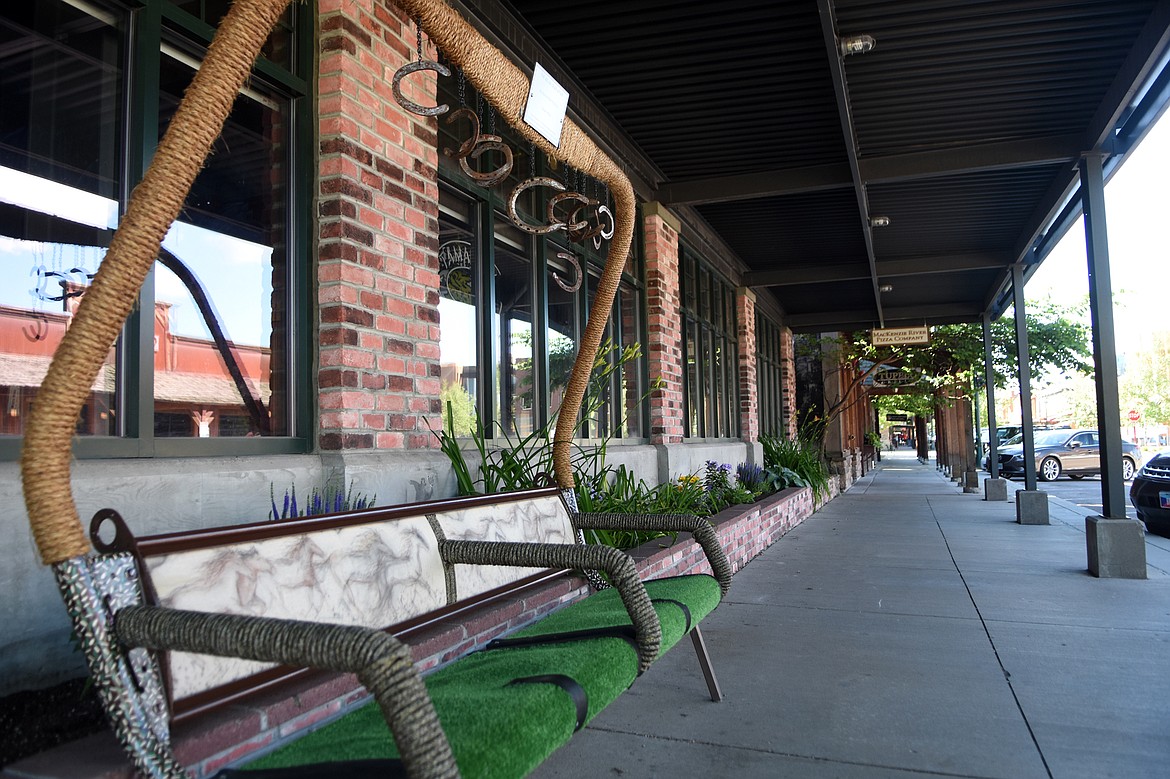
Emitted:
<point x="800" y="457"/>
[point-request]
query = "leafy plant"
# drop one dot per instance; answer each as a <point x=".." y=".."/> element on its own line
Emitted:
<point x="800" y="456"/>
<point x="510" y="462"/>
<point x="328" y="501"/>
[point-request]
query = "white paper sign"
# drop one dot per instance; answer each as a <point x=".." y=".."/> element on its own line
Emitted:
<point x="547" y="103"/>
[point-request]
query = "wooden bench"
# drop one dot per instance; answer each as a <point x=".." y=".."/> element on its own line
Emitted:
<point x="237" y="609"/>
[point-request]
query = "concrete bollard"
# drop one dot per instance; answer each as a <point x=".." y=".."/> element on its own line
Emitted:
<point x="1116" y="548"/>
<point x="995" y="489"/>
<point x="1032" y="507"/>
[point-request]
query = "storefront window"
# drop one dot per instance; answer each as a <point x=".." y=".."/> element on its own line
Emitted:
<point x="769" y="376"/>
<point x="459" y="296"/>
<point x="220" y="360"/>
<point x="517" y="372"/>
<point x="527" y="321"/>
<point x="709" y="351"/>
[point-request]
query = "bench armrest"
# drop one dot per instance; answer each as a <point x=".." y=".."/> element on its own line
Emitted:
<point x="382" y="663"/>
<point x="614" y="562"/>
<point x="699" y="528"/>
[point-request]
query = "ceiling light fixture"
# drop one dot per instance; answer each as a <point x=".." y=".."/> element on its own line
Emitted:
<point x="879" y="221"/>
<point x="856" y="44"/>
<point x="886" y="288"/>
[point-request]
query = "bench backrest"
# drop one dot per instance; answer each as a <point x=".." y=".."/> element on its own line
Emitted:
<point x="376" y="568"/>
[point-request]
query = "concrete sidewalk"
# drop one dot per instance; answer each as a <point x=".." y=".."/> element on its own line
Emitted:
<point x="909" y="630"/>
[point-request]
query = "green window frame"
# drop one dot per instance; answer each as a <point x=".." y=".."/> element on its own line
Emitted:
<point x="514" y="271"/>
<point x="710" y="350"/>
<point x="140" y="55"/>
<point x="769" y="376"/>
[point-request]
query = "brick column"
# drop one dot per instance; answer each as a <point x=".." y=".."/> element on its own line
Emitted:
<point x="378" y="235"/>
<point x="749" y="403"/>
<point x="664" y="317"/>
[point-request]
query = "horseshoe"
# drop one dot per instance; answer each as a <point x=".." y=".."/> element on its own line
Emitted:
<point x="603" y="233"/>
<point x="488" y="143"/>
<point x="556" y="200"/>
<point x="579" y="235"/>
<point x="38" y="331"/>
<point x="596" y="231"/>
<point x="535" y="181"/>
<point x="466" y="147"/>
<point x="572" y="260"/>
<point x="604" y="209"/>
<point x="65" y="294"/>
<point x="410" y="105"/>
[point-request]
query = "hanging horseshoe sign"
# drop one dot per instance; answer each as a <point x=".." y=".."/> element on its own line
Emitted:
<point x="415" y="67"/>
<point x="572" y="226"/>
<point x="485" y="143"/>
<point x="572" y="260"/>
<point x="535" y="181"/>
<point x="582" y="231"/>
<point x="603" y="232"/>
<point x="475" y="146"/>
<point x="467" y="146"/>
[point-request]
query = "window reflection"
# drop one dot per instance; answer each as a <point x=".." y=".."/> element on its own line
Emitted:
<point x="514" y="305"/>
<point x="563" y="337"/>
<point x="218" y="358"/>
<point x="61" y="92"/>
<point x="458" y="300"/>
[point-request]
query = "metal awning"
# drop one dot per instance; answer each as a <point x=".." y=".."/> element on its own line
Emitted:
<point x="962" y="127"/>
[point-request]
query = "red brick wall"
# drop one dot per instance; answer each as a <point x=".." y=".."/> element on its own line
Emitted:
<point x="749" y="401"/>
<point x="377" y="271"/>
<point x="664" y="336"/>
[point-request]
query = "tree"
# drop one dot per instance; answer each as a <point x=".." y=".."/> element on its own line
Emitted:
<point x="1146" y="383"/>
<point x="1058" y="338"/>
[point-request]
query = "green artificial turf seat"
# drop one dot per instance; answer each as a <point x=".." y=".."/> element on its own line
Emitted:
<point x="501" y="729"/>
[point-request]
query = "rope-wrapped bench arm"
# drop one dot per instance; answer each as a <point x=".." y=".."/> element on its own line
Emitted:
<point x="382" y="663"/>
<point x="699" y="528"/>
<point x="615" y="563"/>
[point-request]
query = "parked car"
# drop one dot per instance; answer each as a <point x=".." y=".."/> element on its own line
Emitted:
<point x="1076" y="453"/>
<point x="1002" y="433"/>
<point x="1150" y="494"/>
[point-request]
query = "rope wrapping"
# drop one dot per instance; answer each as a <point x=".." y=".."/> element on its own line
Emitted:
<point x="617" y="564"/>
<point x="699" y="528"/>
<point x="382" y="663"/>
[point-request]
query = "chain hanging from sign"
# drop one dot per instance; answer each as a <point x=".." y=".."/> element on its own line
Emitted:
<point x="417" y="66"/>
<point x="478" y="143"/>
<point x="582" y="217"/>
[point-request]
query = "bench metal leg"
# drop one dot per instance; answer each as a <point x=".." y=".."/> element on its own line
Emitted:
<point x="705" y="664"/>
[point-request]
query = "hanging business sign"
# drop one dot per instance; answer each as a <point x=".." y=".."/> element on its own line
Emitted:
<point x="894" y="378"/>
<point x="899" y="336"/>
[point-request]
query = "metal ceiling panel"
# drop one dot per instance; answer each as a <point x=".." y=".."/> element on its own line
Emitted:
<point x="963" y="125"/>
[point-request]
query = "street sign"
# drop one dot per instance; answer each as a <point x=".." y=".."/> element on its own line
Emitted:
<point x="1135" y="415"/>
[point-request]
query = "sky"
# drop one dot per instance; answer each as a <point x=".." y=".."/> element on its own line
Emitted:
<point x="236" y="274"/>
<point x="1138" y="222"/>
